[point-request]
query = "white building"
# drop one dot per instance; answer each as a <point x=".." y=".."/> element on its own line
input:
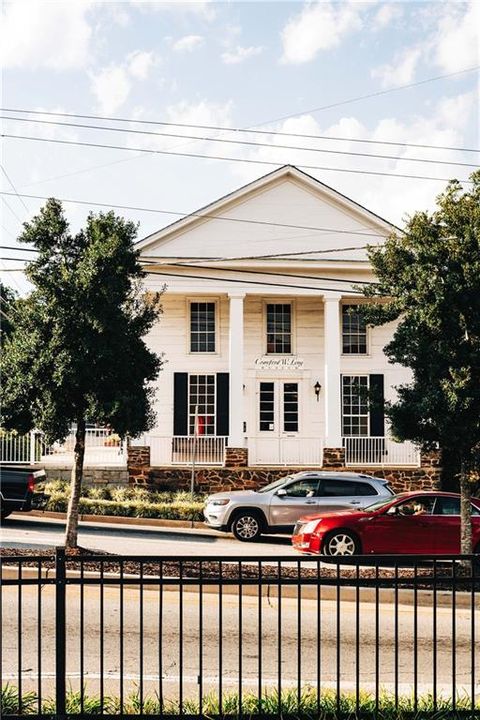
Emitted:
<point x="260" y="331"/>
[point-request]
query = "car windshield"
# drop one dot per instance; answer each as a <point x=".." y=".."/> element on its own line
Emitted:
<point x="275" y="484"/>
<point x="382" y="503"/>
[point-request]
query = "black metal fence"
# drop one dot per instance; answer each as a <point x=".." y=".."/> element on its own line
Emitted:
<point x="254" y="637"/>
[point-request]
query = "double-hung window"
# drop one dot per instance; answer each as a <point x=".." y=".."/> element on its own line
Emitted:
<point x="201" y="402"/>
<point x="355" y="407"/>
<point x="354" y="331"/>
<point x="279" y="328"/>
<point x="202" y="327"/>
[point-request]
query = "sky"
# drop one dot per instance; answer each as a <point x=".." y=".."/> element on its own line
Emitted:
<point x="270" y="66"/>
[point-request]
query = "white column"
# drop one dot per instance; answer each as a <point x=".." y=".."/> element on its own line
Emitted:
<point x="236" y="370"/>
<point x="333" y="426"/>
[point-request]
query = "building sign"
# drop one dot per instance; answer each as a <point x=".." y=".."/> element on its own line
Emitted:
<point x="290" y="362"/>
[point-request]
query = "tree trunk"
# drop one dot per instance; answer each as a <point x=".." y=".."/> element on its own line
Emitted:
<point x="71" y="535"/>
<point x="465" y="513"/>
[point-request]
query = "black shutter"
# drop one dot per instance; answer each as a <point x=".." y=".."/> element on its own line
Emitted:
<point x="223" y="404"/>
<point x="180" y="403"/>
<point x="377" y="406"/>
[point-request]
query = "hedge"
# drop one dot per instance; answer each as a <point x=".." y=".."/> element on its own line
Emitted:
<point x="127" y="502"/>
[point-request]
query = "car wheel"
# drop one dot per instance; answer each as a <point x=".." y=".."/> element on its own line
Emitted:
<point x="247" y="527"/>
<point x="341" y="543"/>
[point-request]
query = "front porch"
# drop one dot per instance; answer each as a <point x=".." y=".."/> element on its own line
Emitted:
<point x="209" y="450"/>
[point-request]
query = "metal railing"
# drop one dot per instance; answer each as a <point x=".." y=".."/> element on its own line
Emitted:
<point x="102" y="447"/>
<point x="380" y="451"/>
<point x="251" y="636"/>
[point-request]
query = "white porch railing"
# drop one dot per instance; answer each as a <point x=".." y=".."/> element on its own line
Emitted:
<point x="382" y="451"/>
<point x="179" y="449"/>
<point x="102" y="447"/>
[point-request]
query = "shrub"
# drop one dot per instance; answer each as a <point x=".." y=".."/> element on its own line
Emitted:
<point x="127" y="501"/>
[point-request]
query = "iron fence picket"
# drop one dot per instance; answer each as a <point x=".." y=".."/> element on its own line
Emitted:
<point x="288" y="578"/>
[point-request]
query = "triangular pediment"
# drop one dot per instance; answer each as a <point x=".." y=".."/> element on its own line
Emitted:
<point x="284" y="212"/>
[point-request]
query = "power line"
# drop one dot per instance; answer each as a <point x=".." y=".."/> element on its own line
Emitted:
<point x="240" y="142"/>
<point x="375" y="94"/>
<point x="9" y="206"/>
<point x="229" y="159"/>
<point x="14" y="188"/>
<point x="203" y="215"/>
<point x="247" y="282"/>
<point x="239" y="271"/>
<point x="253" y="129"/>
<point x="280" y="274"/>
<point x="268" y="256"/>
<point x="12" y="247"/>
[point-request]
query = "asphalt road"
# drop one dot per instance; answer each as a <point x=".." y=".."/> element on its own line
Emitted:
<point x="22" y="531"/>
<point x="158" y="655"/>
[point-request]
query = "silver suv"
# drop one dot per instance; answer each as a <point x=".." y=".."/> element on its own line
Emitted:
<point x="276" y="508"/>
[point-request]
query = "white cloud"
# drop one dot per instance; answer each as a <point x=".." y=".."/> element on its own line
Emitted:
<point x="140" y="63"/>
<point x="238" y="54"/>
<point x="385" y="15"/>
<point x="402" y="69"/>
<point x="111" y="86"/>
<point x="202" y="8"/>
<point x="457" y="41"/>
<point x="319" y="26"/>
<point x="46" y="34"/>
<point x="188" y="43"/>
<point x="390" y="197"/>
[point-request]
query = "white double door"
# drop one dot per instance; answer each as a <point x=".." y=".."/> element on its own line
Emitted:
<point x="277" y="423"/>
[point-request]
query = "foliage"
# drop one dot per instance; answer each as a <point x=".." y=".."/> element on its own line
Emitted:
<point x="129" y="501"/>
<point x="76" y="348"/>
<point x="8" y="299"/>
<point x="289" y="703"/>
<point x="429" y="279"/>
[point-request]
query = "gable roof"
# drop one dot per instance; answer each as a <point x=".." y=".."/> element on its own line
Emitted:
<point x="213" y="209"/>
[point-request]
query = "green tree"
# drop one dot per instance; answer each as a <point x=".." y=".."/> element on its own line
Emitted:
<point x="7" y="310"/>
<point x="76" y="351"/>
<point x="429" y="280"/>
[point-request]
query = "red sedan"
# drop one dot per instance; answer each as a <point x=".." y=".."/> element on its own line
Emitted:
<point x="411" y="523"/>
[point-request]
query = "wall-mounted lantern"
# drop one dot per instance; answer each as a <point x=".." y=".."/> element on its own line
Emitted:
<point x="317" y="387"/>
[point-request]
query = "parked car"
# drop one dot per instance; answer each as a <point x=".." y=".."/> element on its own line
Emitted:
<point x="18" y="489"/>
<point x="411" y="523"/>
<point x="278" y="506"/>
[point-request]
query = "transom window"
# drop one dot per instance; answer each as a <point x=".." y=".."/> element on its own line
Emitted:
<point x="355" y="405"/>
<point x="202" y="327"/>
<point x="201" y="396"/>
<point x="279" y="328"/>
<point x="354" y="331"/>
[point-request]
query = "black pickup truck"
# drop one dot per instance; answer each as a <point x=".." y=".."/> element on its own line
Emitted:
<point x="18" y="489"/>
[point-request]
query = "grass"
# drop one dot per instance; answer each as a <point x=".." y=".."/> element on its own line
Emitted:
<point x="307" y="706"/>
<point x="127" y="501"/>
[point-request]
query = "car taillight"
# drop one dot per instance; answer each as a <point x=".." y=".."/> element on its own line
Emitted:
<point x="31" y="482"/>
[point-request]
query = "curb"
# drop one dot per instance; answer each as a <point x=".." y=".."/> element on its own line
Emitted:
<point x="119" y="520"/>
<point x="367" y="595"/>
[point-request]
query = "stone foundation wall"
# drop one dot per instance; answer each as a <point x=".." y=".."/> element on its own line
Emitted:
<point x="334" y="458"/>
<point x="216" y="479"/>
<point x="91" y="475"/>
<point x="236" y="457"/>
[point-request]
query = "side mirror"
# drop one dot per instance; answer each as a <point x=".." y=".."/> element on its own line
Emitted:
<point x="281" y="492"/>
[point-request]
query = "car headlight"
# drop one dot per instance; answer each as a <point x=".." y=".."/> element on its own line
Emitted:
<point x="221" y="501"/>
<point x="310" y="527"/>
